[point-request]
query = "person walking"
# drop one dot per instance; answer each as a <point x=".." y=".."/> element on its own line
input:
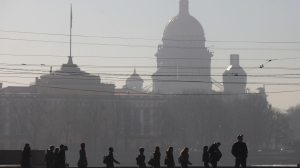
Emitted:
<point x="82" y="162"/>
<point x="169" y="160"/>
<point x="26" y="155"/>
<point x="60" y="161"/>
<point x="110" y="158"/>
<point x="205" y="156"/>
<point x="55" y="156"/>
<point x="240" y="152"/>
<point x="140" y="160"/>
<point x="156" y="156"/>
<point x="215" y="154"/>
<point x="184" y="158"/>
<point x="49" y="159"/>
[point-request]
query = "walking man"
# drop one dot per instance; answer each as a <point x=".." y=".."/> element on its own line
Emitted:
<point x="110" y="159"/>
<point x="49" y="158"/>
<point x="215" y="154"/>
<point x="240" y="152"/>
<point x="60" y="162"/>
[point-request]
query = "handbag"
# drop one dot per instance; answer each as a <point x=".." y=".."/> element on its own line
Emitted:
<point x="151" y="161"/>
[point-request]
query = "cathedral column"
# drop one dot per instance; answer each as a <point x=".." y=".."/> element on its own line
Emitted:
<point x="142" y="120"/>
<point x="151" y="122"/>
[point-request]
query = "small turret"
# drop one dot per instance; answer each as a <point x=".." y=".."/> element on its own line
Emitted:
<point x="135" y="82"/>
<point x="234" y="77"/>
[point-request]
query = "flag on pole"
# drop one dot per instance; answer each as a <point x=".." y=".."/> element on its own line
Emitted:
<point x="71" y="17"/>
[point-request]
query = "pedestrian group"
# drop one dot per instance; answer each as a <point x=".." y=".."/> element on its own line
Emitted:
<point x="56" y="157"/>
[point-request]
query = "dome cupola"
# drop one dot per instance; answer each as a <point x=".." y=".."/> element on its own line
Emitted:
<point x="184" y="24"/>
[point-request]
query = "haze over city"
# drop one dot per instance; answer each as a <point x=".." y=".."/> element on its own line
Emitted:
<point x="212" y="82"/>
<point x="255" y="21"/>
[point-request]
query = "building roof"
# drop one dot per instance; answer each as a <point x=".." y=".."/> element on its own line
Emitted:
<point x="18" y="90"/>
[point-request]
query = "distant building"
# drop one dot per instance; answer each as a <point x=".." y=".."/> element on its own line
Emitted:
<point x="71" y="80"/>
<point x="183" y="61"/>
<point x="234" y="77"/>
<point x="134" y="82"/>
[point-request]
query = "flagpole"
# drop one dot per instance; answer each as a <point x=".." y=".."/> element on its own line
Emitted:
<point x="71" y="32"/>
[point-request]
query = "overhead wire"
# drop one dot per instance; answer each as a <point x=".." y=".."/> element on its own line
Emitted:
<point x="128" y="38"/>
<point x="158" y="94"/>
<point x="149" y="46"/>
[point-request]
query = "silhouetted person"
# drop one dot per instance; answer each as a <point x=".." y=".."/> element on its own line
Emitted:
<point x="170" y="158"/>
<point x="215" y="154"/>
<point x="82" y="162"/>
<point x="240" y="152"/>
<point x="205" y="156"/>
<point x="26" y="155"/>
<point x="140" y="160"/>
<point x="110" y="158"/>
<point x="156" y="156"/>
<point x="55" y="156"/>
<point x="60" y="161"/>
<point x="184" y="160"/>
<point x="50" y="157"/>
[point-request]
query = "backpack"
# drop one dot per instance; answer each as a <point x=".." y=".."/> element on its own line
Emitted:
<point x="179" y="159"/>
<point x="137" y="160"/>
<point x="151" y="161"/>
<point x="105" y="158"/>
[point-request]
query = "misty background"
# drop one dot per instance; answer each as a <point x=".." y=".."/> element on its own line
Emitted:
<point x="260" y="21"/>
<point x="110" y="38"/>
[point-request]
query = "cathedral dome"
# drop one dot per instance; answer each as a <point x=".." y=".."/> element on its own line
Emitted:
<point x="184" y="24"/>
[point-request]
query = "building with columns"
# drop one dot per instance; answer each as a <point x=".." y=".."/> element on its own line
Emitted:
<point x="183" y="61"/>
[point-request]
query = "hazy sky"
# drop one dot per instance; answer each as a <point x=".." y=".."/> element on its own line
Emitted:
<point x="230" y="20"/>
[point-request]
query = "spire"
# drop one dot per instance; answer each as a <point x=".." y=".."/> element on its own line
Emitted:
<point x="184" y="7"/>
<point x="134" y="71"/>
<point x="70" y="57"/>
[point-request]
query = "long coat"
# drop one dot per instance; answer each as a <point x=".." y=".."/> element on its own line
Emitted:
<point x="60" y="161"/>
<point x="82" y="162"/>
<point x="156" y="158"/>
<point x="141" y="161"/>
<point x="185" y="159"/>
<point x="239" y="149"/>
<point x="170" y="161"/>
<point x="111" y="160"/>
<point x="26" y="155"/>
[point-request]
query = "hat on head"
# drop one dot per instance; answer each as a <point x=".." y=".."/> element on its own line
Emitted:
<point x="240" y="136"/>
<point x="111" y="148"/>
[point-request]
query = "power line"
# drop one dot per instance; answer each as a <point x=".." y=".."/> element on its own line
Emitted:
<point x="148" y="46"/>
<point x="141" y="93"/>
<point x="75" y="73"/>
<point x="112" y="57"/>
<point x="159" y="80"/>
<point x="148" y="39"/>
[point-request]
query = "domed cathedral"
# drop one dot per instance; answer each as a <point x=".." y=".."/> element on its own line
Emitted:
<point x="183" y="61"/>
<point x="234" y="77"/>
<point x="134" y="82"/>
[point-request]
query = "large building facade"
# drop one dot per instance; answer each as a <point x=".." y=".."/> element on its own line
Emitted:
<point x="183" y="61"/>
